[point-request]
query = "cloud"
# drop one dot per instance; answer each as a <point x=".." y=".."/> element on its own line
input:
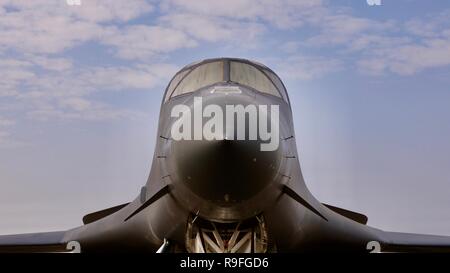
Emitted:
<point x="370" y="42"/>
<point x="39" y="74"/>
<point x="53" y="26"/>
<point x="111" y="10"/>
<point x="237" y="22"/>
<point x="214" y="29"/>
<point x="140" y="76"/>
<point x="57" y="64"/>
<point x="409" y="59"/>
<point x="434" y="25"/>
<point x="142" y="41"/>
<point x="77" y="104"/>
<point x="382" y="46"/>
<point x="44" y="82"/>
<point x="90" y="10"/>
<point x="421" y="44"/>
<point x="282" y="14"/>
<point x="72" y="88"/>
<point x="38" y="31"/>
<point x="77" y="110"/>
<point x="297" y="67"/>
<point x="67" y="93"/>
<point x="342" y="29"/>
<point x="12" y="75"/>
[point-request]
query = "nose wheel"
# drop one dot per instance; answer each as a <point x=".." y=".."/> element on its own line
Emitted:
<point x="249" y="236"/>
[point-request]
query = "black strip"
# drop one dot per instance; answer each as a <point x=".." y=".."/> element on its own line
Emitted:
<point x="355" y="216"/>
<point x="97" y="215"/>
<point x="226" y="70"/>
<point x="150" y="201"/>
<point x="302" y="201"/>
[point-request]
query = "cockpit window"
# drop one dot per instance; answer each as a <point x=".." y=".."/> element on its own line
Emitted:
<point x="251" y="76"/>
<point x="274" y="78"/>
<point x="201" y="76"/>
<point x="176" y="80"/>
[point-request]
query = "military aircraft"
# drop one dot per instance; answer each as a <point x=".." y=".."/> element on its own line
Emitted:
<point x="225" y="178"/>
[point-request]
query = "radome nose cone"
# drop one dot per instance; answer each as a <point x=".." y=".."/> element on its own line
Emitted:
<point x="224" y="171"/>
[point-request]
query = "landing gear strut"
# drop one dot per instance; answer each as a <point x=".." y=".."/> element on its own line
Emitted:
<point x="165" y="247"/>
<point x="249" y="236"/>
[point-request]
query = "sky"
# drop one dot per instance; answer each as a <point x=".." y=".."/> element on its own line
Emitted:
<point x="81" y="87"/>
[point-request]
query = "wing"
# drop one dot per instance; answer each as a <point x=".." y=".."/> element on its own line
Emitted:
<point x="410" y="242"/>
<point x="33" y="242"/>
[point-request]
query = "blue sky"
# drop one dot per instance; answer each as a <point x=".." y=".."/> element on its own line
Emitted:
<point x="80" y="89"/>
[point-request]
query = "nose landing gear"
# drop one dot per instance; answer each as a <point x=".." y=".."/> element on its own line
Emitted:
<point x="249" y="236"/>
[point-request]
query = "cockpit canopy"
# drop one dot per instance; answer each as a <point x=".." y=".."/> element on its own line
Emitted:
<point x="238" y="71"/>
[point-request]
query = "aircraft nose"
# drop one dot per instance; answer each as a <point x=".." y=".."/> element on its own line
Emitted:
<point x="223" y="170"/>
<point x="226" y="169"/>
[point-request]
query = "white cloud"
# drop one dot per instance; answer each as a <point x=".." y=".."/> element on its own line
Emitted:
<point x="364" y="42"/>
<point x="57" y="64"/>
<point x="91" y="112"/>
<point x="11" y="78"/>
<point x="90" y="10"/>
<point x="409" y="59"/>
<point x="9" y="62"/>
<point x="237" y="22"/>
<point x="77" y="104"/>
<point x="48" y="83"/>
<point x="418" y="45"/>
<point x="379" y="46"/>
<point x="298" y="67"/>
<point x="430" y="25"/>
<point x="142" y="76"/>
<point x="111" y="10"/>
<point x="214" y="29"/>
<point x="282" y="14"/>
<point x="344" y="29"/>
<point x="142" y="41"/>
<point x="53" y="26"/>
<point x="33" y="31"/>
<point x="37" y="31"/>
<point x="66" y="93"/>
<point x="70" y="91"/>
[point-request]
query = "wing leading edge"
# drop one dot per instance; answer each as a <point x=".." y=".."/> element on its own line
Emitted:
<point x="411" y="242"/>
<point x="34" y="242"/>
